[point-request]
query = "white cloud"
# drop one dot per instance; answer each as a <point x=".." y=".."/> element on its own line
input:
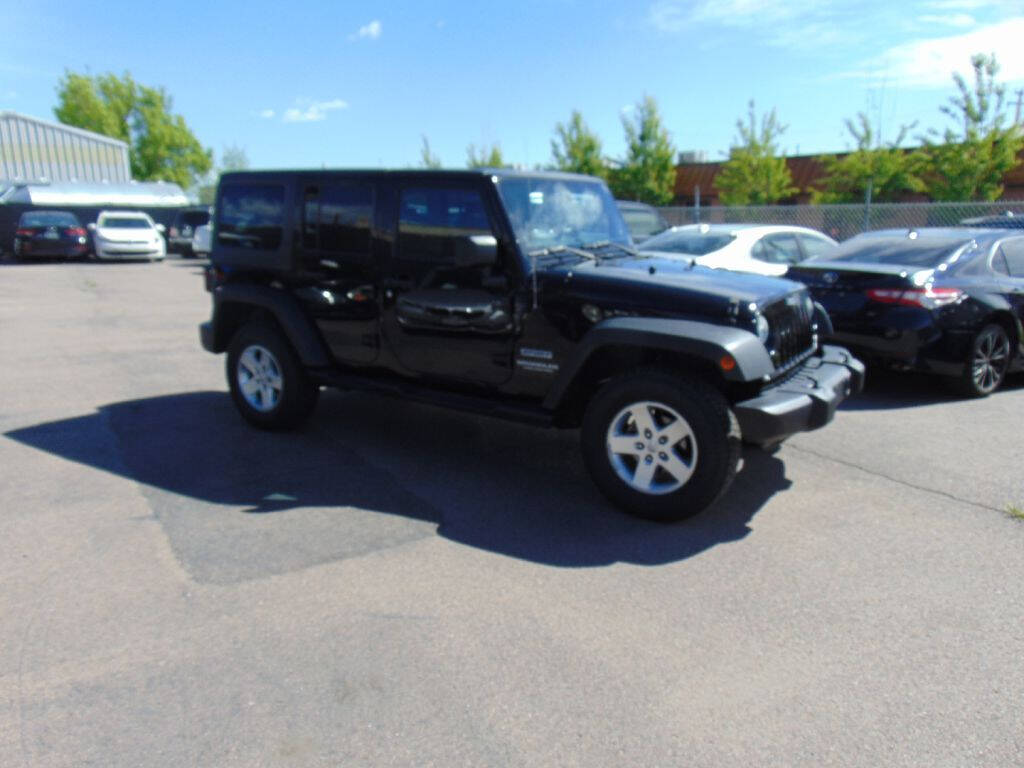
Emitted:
<point x="266" y="114"/>
<point x="931" y="62"/>
<point x="371" y="31"/>
<point x="949" y="20"/>
<point x="678" y="15"/>
<point x="311" y="112"/>
<point x="782" y="23"/>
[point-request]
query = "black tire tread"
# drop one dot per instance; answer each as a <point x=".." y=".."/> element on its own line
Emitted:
<point x="299" y="395"/>
<point x="709" y="415"/>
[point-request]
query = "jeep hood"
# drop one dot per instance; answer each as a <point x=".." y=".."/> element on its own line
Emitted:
<point x="668" y="284"/>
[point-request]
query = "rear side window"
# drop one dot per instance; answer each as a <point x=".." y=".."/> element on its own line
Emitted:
<point x="1013" y="251"/>
<point x="337" y="218"/>
<point x="251" y="216"/>
<point x="777" y="249"/>
<point x="816" y="247"/>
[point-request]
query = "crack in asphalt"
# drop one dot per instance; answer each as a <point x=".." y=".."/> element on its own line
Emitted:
<point x="896" y="480"/>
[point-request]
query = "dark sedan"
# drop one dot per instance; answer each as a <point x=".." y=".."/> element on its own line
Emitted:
<point x="945" y="301"/>
<point x="49" y="234"/>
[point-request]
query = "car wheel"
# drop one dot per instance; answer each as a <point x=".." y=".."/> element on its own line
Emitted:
<point x="267" y="382"/>
<point x="987" y="362"/>
<point x="660" y="446"/>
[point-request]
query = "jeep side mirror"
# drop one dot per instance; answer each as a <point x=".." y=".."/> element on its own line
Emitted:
<point x="476" y="251"/>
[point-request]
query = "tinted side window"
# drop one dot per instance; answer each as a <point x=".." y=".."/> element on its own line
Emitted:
<point x="251" y="216"/>
<point x="1013" y="250"/>
<point x="346" y="211"/>
<point x="779" y="249"/>
<point x="433" y="221"/>
<point x="816" y="246"/>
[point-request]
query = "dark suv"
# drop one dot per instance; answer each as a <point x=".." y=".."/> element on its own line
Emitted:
<point x="186" y="222"/>
<point x="513" y="294"/>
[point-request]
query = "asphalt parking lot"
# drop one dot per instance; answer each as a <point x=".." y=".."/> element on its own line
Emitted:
<point x="402" y="585"/>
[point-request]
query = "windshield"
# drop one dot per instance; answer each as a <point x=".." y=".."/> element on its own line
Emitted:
<point x="48" y="219"/>
<point x="912" y="253"/>
<point x="546" y="213"/>
<point x="692" y="243"/>
<point x="123" y="222"/>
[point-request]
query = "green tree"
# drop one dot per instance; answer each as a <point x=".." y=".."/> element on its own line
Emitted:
<point x="427" y="158"/>
<point x="577" y="149"/>
<point x="233" y="158"/>
<point x="160" y="144"/>
<point x="872" y="171"/>
<point x="968" y="162"/>
<point x="484" y="157"/>
<point x="648" y="173"/>
<point x="755" y="174"/>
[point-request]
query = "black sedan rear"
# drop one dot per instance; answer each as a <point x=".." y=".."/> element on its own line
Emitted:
<point x="945" y="301"/>
<point x="50" y="234"/>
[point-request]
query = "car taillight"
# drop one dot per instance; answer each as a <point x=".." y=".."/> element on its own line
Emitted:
<point x="25" y="232"/>
<point x="928" y="297"/>
<point x="75" y="232"/>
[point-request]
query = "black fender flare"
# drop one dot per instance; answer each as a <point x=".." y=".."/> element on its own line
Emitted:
<point x="299" y="329"/>
<point x="705" y="341"/>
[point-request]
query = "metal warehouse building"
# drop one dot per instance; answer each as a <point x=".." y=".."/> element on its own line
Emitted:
<point x="34" y="150"/>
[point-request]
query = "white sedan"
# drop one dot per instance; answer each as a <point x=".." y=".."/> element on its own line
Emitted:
<point x="127" y="235"/>
<point x="763" y="249"/>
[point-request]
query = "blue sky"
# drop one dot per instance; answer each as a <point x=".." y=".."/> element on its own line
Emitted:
<point x="356" y="84"/>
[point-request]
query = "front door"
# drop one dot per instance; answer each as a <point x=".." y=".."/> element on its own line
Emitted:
<point x="447" y="291"/>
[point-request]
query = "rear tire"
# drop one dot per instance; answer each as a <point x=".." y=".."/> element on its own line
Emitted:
<point x="268" y="384"/>
<point x="987" y="362"/>
<point x="659" y="445"/>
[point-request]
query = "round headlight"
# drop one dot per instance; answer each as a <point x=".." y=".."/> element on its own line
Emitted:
<point x="761" y="328"/>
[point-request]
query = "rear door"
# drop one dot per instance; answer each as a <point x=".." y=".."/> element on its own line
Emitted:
<point x="335" y="221"/>
<point x="446" y="304"/>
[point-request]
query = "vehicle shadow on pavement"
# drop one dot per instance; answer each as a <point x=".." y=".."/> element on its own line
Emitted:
<point x="363" y="462"/>
<point x="889" y="390"/>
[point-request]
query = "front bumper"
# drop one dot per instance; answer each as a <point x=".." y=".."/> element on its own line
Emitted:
<point x="806" y="400"/>
<point x="128" y="251"/>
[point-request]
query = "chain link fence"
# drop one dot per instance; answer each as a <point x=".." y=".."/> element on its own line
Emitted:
<point x="847" y="220"/>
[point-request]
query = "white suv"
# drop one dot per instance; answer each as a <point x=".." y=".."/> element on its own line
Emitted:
<point x="127" y="235"/>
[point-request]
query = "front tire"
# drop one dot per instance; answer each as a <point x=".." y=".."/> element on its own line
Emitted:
<point x="659" y="445"/>
<point x="987" y="362"/>
<point x="267" y="381"/>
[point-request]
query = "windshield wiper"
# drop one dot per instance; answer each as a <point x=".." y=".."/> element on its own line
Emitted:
<point x="602" y="244"/>
<point x="554" y="250"/>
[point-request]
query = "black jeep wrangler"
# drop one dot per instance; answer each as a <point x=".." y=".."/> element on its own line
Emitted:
<point x="514" y="294"/>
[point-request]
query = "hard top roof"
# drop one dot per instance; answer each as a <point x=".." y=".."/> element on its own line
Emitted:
<point x="464" y="173"/>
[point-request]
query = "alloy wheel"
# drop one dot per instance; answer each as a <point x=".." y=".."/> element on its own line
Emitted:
<point x="990" y="358"/>
<point x="259" y="378"/>
<point x="651" y="447"/>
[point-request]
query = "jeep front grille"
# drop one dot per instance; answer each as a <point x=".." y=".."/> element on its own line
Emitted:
<point x="791" y="333"/>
